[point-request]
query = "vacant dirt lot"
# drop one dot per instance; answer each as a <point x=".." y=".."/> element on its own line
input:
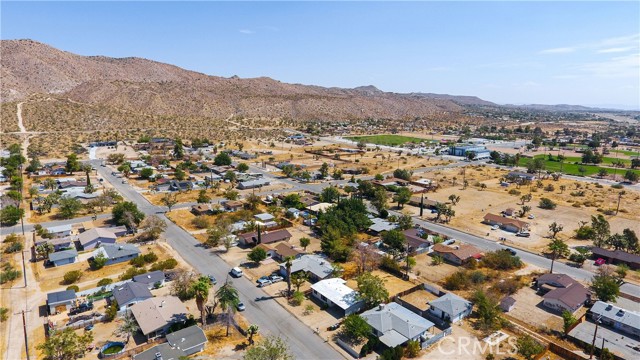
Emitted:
<point x="392" y="283"/>
<point x="432" y="273"/>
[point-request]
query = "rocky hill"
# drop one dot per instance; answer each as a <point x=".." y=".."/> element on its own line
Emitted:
<point x="143" y="86"/>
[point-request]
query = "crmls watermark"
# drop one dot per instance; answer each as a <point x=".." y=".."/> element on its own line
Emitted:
<point x="471" y="346"/>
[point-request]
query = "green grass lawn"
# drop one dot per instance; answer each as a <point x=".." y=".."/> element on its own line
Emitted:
<point x="389" y="140"/>
<point x="605" y="160"/>
<point x="568" y="167"/>
<point x="627" y="152"/>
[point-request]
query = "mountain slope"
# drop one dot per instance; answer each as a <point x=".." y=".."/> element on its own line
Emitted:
<point x="143" y="86"/>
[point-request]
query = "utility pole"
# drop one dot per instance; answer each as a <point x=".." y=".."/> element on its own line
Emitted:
<point x="619" y="198"/>
<point x="24" y="329"/>
<point x="593" y="342"/>
<point x="422" y="204"/>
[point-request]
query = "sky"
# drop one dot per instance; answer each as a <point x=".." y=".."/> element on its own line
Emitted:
<point x="508" y="52"/>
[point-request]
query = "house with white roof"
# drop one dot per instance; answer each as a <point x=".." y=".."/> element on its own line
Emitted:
<point x="616" y="317"/>
<point x="335" y="293"/>
<point x="60" y="230"/>
<point x="395" y="325"/>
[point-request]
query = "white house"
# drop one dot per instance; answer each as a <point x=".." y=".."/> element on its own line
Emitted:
<point x="335" y="293"/>
<point x="450" y="307"/>
<point x="130" y="293"/>
<point x="60" y="230"/>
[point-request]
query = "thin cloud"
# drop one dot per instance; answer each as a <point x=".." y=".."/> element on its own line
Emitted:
<point x="560" y="50"/>
<point x="246" y="31"/>
<point x="627" y="66"/>
<point x="615" y="50"/>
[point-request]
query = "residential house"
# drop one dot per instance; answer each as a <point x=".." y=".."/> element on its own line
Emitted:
<point x="119" y="231"/>
<point x="569" y="298"/>
<point x="518" y="176"/>
<point x="392" y="181"/>
<point x="395" y="325"/>
<point x="151" y="279"/>
<point x="618" y="318"/>
<point x="184" y="185"/>
<point x="617" y="257"/>
<point x="264" y="217"/>
<point x="252" y="184"/>
<point x="548" y="282"/>
<point x="60" y="230"/>
<point x="266" y="237"/>
<point x="71" y="186"/>
<point x="293" y="212"/>
<point x="117" y="253"/>
<point x="379" y="225"/>
<point x="318" y="207"/>
<point x="95" y="237"/>
<point x="507" y="303"/>
<point x="130" y="293"/>
<point x="201" y="209"/>
<point x="427" y="203"/>
<point x="479" y="152"/>
<point x="416" y="241"/>
<point x="336" y="294"/>
<point x="450" y="307"/>
<point x="506" y="223"/>
<point x="315" y="266"/>
<point x="271" y="252"/>
<point x="191" y="340"/>
<point x="61" y="301"/>
<point x="63" y="257"/>
<point x="459" y="254"/>
<point x="509" y="211"/>
<point x="284" y="250"/>
<point x="232" y="205"/>
<point x="155" y="315"/>
<point x="57" y="243"/>
<point x="163" y="351"/>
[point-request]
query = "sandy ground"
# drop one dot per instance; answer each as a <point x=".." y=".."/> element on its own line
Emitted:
<point x="420" y="299"/>
<point x="432" y="273"/>
<point x="393" y="284"/>
<point x="494" y="199"/>
<point x="460" y="345"/>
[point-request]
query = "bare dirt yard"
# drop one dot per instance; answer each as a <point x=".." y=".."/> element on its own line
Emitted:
<point x="393" y="284"/>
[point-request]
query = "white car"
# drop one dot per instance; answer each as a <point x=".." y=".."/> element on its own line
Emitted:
<point x="495" y="227"/>
<point x="531" y="216"/>
<point x="236" y="272"/>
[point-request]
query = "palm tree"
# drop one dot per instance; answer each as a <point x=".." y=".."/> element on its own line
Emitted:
<point x="288" y="262"/>
<point x="228" y="298"/>
<point x="558" y="248"/>
<point x="251" y="331"/>
<point x="128" y="327"/>
<point x="200" y="290"/>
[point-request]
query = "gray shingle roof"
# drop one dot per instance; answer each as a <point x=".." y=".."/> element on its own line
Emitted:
<point x="130" y="291"/>
<point x="314" y="264"/>
<point x="626" y="317"/>
<point x="115" y="251"/>
<point x="397" y="320"/>
<point x="61" y="296"/>
<point x="451" y="304"/>
<point x="95" y="233"/>
<point x="165" y="350"/>
<point x="150" y="277"/>
<point x="187" y="338"/>
<point x="61" y="255"/>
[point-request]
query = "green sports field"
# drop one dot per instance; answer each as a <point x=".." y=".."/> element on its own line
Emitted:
<point x="568" y="167"/>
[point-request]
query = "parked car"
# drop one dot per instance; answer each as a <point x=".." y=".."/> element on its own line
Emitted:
<point x="334" y="326"/>
<point x="212" y="279"/>
<point x="236" y="272"/>
<point x="276" y="278"/>
<point x="88" y="327"/>
<point x="523" y="234"/>
<point x="240" y="306"/>
<point x="81" y="308"/>
<point x="264" y="281"/>
<point x="124" y="181"/>
<point x="495" y="227"/>
<point x="511" y="251"/>
<point x="531" y="216"/>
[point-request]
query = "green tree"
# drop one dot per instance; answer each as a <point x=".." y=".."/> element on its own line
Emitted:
<point x="203" y="198"/>
<point x="557" y="248"/>
<point x="65" y="344"/>
<point x="355" y="328"/>
<point x="125" y="168"/>
<point x="127" y="213"/>
<point x="200" y="290"/>
<point x="379" y="200"/>
<point x="98" y="262"/>
<point x="257" y="254"/>
<point x="252" y="330"/>
<point x="152" y="227"/>
<point x="402" y="196"/>
<point x="298" y="279"/>
<point x="43" y="250"/>
<point x="146" y="173"/>
<point x="547" y="204"/>
<point x="69" y="207"/>
<point x="269" y="348"/>
<point x="222" y="159"/>
<point x="242" y="167"/>
<point x="601" y="230"/>
<point x="330" y="194"/>
<point x="487" y="310"/>
<point x="179" y="174"/>
<point x="178" y="149"/>
<point x="72" y="163"/>
<point x="568" y="321"/>
<point x="169" y="200"/>
<point x="10" y="215"/>
<point x="292" y="201"/>
<point x="128" y="327"/>
<point x="528" y="347"/>
<point x="71" y="277"/>
<point x="324" y="170"/>
<point x="304" y="242"/>
<point x="371" y="289"/>
<point x="605" y="286"/>
<point x="631" y="176"/>
<point x="395" y="240"/>
<point x="402" y="174"/>
<point x="231" y="194"/>
<point x="228" y="298"/>
<point x="288" y="262"/>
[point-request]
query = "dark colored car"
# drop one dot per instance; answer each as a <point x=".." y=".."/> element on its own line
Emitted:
<point x="212" y="279"/>
<point x="81" y="308"/>
<point x="240" y="306"/>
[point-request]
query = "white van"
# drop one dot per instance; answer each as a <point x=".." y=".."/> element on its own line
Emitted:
<point x="236" y="272"/>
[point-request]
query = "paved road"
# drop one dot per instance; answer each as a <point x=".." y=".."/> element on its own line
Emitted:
<point x="268" y="315"/>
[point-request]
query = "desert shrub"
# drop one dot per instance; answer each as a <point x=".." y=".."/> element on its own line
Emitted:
<point x="111" y="311"/>
<point x="501" y="260"/>
<point x="13" y="248"/>
<point x="549" y="188"/>
<point x="413" y="349"/>
<point x="150" y="257"/>
<point x="547" y="204"/>
<point x="617" y="186"/>
<point x="508" y="286"/>
<point x="105" y="282"/>
<point x="580" y="193"/>
<point x="477" y="277"/>
<point x="457" y="281"/>
<point x="297" y="298"/>
<point x="9" y="273"/>
<point x="576" y="205"/>
<point x="514" y="192"/>
<point x="74" y="288"/>
<point x="200" y="222"/>
<point x="131" y="272"/>
<point x="164" y="265"/>
<point x="72" y="276"/>
<point x="584" y="232"/>
<point x="137" y="261"/>
<point x="4" y="314"/>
